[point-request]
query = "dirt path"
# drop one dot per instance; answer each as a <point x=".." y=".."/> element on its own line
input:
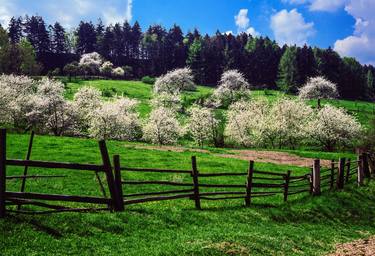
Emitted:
<point x="257" y="156"/>
<point x="362" y="247"/>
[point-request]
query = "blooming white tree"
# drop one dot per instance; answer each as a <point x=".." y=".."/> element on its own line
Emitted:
<point x="162" y="127"/>
<point x="91" y="63"/>
<point x="116" y="119"/>
<point x="85" y="101"/>
<point x="175" y="81"/>
<point x="247" y="122"/>
<point x="118" y="72"/>
<point x="16" y="99"/>
<point x="202" y="125"/>
<point x="51" y="113"/>
<point x="334" y="127"/>
<point x="107" y="68"/>
<point x="318" y="88"/>
<point x="290" y="119"/>
<point x="232" y="87"/>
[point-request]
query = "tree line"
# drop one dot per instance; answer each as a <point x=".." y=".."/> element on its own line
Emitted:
<point x="157" y="50"/>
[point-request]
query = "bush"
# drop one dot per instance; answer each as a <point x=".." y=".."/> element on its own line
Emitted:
<point x="175" y="81"/>
<point x="106" y="69"/>
<point x="90" y="63"/>
<point x="233" y="87"/>
<point x="318" y="88"/>
<point x="333" y="127"/>
<point x="116" y="120"/>
<point x="162" y="127"/>
<point x="148" y="80"/>
<point x="118" y="72"/>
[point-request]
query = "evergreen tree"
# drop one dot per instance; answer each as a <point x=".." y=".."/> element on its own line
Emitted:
<point x="288" y="71"/>
<point x="29" y="65"/>
<point x="37" y="34"/>
<point x="306" y="64"/>
<point x="195" y="61"/>
<point x="4" y="51"/>
<point x="58" y="39"/>
<point x="15" y="30"/>
<point x="153" y="44"/>
<point x="177" y="52"/>
<point x="86" y="38"/>
<point x="136" y="36"/>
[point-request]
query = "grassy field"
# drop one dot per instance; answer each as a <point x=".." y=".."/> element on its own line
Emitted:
<point x="303" y="226"/>
<point x="364" y="111"/>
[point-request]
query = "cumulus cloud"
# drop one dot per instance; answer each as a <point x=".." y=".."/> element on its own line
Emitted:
<point x="289" y="27"/>
<point x="243" y="23"/>
<point x="5" y="12"/>
<point x="361" y="43"/>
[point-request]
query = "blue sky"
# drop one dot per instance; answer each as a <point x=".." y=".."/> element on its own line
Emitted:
<point x="346" y="25"/>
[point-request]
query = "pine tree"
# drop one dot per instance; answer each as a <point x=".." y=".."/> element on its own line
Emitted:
<point x="58" y="39"/>
<point x="86" y="37"/>
<point x="194" y="60"/>
<point x="15" y="30"/>
<point x="288" y="71"/>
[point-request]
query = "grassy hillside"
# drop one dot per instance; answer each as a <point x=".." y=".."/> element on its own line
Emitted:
<point x="304" y="225"/>
<point x="364" y="111"/>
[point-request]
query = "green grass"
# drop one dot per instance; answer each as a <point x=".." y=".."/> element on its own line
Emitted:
<point x="303" y="226"/>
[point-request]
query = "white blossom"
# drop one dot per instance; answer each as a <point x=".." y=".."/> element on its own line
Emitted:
<point x="85" y="101"/>
<point x="175" y="81"/>
<point x="162" y="127"/>
<point x="202" y="125"/>
<point x="334" y="127"/>
<point x="91" y="63"/>
<point x="232" y="87"/>
<point x="106" y="68"/>
<point x="318" y="88"/>
<point x="118" y="72"/>
<point x="116" y="120"/>
<point x="167" y="100"/>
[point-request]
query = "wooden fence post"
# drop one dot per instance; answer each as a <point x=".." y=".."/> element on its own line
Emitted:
<point x="118" y="181"/>
<point x="286" y="185"/>
<point x="249" y="182"/>
<point x="316" y="177"/>
<point x="347" y="171"/>
<point x="360" y="172"/>
<point x="25" y="170"/>
<point x="341" y="174"/>
<point x="3" y="145"/>
<point x="332" y="182"/>
<point x="110" y="179"/>
<point x="195" y="174"/>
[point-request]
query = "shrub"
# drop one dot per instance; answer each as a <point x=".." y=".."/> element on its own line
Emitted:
<point x="333" y="127"/>
<point x="232" y="87"/>
<point x="318" y="88"/>
<point x="162" y="127"/>
<point x="118" y="72"/>
<point x="128" y="72"/>
<point x="175" y="81"/>
<point x="202" y="125"/>
<point x="106" y="69"/>
<point x="116" y="120"/>
<point x="148" y="80"/>
<point x="71" y="69"/>
<point x="90" y="63"/>
<point x="85" y="100"/>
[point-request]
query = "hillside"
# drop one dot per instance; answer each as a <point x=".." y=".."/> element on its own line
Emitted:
<point x="364" y="111"/>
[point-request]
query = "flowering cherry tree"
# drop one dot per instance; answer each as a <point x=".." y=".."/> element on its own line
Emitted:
<point x="51" y="113"/>
<point x="162" y="127"/>
<point x="85" y="101"/>
<point x="202" y="125"/>
<point x="107" y="68"/>
<point x="232" y="87"/>
<point x="116" y="120"/>
<point x="175" y="82"/>
<point x="118" y="72"/>
<point x="167" y="100"/>
<point x="91" y="63"/>
<point x="318" y="88"/>
<point x="334" y="127"/>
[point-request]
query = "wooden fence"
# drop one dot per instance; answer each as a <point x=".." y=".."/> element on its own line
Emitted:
<point x="251" y="183"/>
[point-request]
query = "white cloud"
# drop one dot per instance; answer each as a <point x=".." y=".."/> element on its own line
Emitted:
<point x="5" y="12"/>
<point x="290" y="27"/>
<point x="361" y="44"/>
<point x="320" y="5"/>
<point x="111" y="15"/>
<point x="243" y="23"/>
<point x="229" y="32"/>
